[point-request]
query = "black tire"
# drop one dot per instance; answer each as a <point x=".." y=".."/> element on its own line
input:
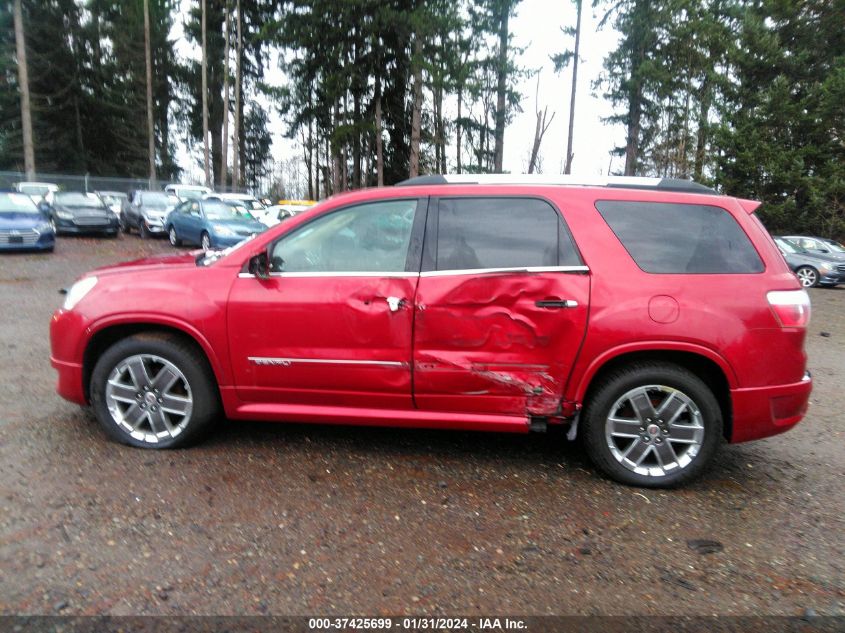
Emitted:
<point x="808" y="276"/>
<point x="188" y="359"/>
<point x="617" y="384"/>
<point x="171" y="234"/>
<point x="205" y="241"/>
<point x="143" y="232"/>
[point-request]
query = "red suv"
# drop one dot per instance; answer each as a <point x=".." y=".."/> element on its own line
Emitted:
<point x="653" y="317"/>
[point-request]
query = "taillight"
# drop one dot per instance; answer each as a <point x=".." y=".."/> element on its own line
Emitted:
<point x="791" y="307"/>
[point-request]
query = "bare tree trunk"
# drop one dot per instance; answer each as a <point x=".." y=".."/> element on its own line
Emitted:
<point x="26" y="108"/>
<point x="569" y="155"/>
<point x="416" y="113"/>
<point x="539" y="130"/>
<point x="151" y="143"/>
<point x="311" y="188"/>
<point x="206" y="163"/>
<point x="501" y="87"/>
<point x="633" y="138"/>
<point x="224" y="154"/>
<point x="379" y="146"/>
<point x="236" y="134"/>
<point x="458" y="128"/>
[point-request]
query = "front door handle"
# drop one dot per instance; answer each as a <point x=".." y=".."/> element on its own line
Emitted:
<point x="556" y="304"/>
<point x="394" y="303"/>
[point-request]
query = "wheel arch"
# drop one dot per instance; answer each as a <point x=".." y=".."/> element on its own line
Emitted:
<point x="109" y="333"/>
<point x="708" y="366"/>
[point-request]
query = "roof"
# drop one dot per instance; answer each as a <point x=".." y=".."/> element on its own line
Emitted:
<point x="622" y="182"/>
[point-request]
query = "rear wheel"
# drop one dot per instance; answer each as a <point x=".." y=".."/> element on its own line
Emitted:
<point x="205" y="242"/>
<point x="808" y="276"/>
<point x="154" y="391"/>
<point x="655" y="425"/>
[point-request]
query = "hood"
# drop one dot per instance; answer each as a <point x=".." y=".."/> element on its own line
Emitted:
<point x="93" y="210"/>
<point x="184" y="260"/>
<point x="244" y="225"/>
<point x="157" y="211"/>
<point x="21" y="220"/>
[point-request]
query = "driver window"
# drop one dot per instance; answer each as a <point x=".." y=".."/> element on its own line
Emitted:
<point x="372" y="237"/>
<point x="195" y="208"/>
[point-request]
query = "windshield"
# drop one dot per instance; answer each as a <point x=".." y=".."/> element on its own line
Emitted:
<point x="155" y="200"/>
<point x="73" y="199"/>
<point x="111" y="199"/>
<point x="217" y="210"/>
<point x="787" y="247"/>
<point x="33" y="190"/>
<point x="834" y="246"/>
<point x="239" y="208"/>
<point x="192" y="194"/>
<point x="16" y="203"/>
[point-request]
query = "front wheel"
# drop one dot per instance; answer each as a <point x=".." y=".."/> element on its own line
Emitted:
<point x="143" y="231"/>
<point x="205" y="242"/>
<point x="808" y="276"/>
<point x="174" y="239"/>
<point x="154" y="391"/>
<point x="652" y="424"/>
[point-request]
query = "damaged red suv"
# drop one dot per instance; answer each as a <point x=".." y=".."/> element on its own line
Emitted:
<point x="652" y="317"/>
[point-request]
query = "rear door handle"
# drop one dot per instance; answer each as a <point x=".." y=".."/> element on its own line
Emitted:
<point x="556" y="304"/>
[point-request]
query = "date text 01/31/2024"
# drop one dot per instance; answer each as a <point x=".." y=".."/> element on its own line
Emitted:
<point x="417" y="623"/>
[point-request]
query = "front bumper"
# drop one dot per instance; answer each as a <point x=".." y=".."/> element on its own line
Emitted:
<point x="108" y="225"/>
<point x="154" y="225"/>
<point x="44" y="242"/>
<point x="66" y="330"/>
<point x="219" y="241"/>
<point x="832" y="278"/>
<point x="766" y="411"/>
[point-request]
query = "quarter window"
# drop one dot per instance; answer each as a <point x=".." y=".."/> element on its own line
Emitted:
<point x="681" y="238"/>
<point x="478" y="233"/>
<point x="372" y="237"/>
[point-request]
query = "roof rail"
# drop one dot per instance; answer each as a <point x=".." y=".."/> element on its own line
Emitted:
<point x="626" y="182"/>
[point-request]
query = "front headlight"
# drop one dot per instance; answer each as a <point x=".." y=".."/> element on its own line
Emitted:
<point x="223" y="231"/>
<point x="44" y="227"/>
<point x="825" y="267"/>
<point x="64" y="215"/>
<point x="78" y="291"/>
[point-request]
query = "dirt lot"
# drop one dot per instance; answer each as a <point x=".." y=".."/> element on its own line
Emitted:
<point x="297" y="519"/>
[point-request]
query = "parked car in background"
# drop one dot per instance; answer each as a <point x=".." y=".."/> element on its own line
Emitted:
<point x="77" y="212"/>
<point x="117" y="201"/>
<point x="187" y="192"/>
<point x="252" y="204"/>
<point x="818" y="245"/>
<point x="22" y="225"/>
<point x="210" y="224"/>
<point x="147" y="212"/>
<point x="276" y="213"/>
<point x="811" y="268"/>
<point x="652" y="318"/>
<point x="36" y="190"/>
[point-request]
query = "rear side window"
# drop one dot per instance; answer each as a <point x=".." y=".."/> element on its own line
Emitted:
<point x="681" y="238"/>
<point x="477" y="233"/>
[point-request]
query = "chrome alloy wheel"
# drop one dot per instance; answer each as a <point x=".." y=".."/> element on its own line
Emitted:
<point x="654" y="430"/>
<point x="807" y="276"/>
<point x="149" y="398"/>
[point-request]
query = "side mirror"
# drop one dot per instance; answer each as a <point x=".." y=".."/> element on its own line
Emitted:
<point x="259" y="265"/>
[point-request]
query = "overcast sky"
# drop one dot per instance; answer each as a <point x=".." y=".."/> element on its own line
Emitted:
<point x="536" y="28"/>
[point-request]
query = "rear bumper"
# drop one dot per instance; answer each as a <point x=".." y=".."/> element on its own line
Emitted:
<point x="766" y="411"/>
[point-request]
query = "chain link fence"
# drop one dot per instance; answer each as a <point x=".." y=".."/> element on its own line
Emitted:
<point x="86" y="183"/>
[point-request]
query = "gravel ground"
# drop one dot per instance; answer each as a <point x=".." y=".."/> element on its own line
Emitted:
<point x="298" y="519"/>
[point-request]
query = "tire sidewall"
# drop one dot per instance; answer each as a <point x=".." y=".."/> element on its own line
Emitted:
<point x="204" y="394"/>
<point x="597" y="410"/>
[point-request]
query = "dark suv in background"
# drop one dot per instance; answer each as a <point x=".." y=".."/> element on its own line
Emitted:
<point x="652" y="318"/>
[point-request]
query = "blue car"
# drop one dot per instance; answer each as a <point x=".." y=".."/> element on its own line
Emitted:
<point x="22" y="225"/>
<point x="210" y="224"/>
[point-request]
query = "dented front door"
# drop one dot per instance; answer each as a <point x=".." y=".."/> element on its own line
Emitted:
<point x="497" y="342"/>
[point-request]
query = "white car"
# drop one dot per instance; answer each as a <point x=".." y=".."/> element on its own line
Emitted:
<point x="36" y="190"/>
<point x="276" y="213"/>
<point x="253" y="204"/>
<point x="188" y="192"/>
